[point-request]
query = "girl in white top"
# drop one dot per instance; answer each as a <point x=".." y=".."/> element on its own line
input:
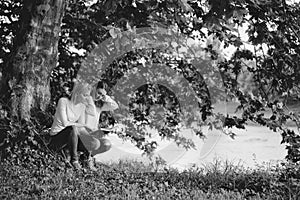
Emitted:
<point x="69" y="116"/>
<point x="92" y="136"/>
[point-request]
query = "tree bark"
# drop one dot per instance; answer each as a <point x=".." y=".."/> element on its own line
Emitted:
<point x="26" y="76"/>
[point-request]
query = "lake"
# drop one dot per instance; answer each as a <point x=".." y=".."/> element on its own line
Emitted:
<point x="255" y="145"/>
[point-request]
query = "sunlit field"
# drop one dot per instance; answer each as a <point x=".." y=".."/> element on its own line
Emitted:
<point x="251" y="166"/>
<point x="251" y="146"/>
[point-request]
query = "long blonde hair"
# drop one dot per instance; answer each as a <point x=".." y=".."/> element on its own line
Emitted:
<point x="79" y="88"/>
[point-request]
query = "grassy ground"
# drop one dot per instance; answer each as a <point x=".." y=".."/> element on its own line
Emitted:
<point x="135" y="180"/>
<point x="35" y="174"/>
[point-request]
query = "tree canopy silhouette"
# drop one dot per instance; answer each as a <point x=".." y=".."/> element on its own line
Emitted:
<point x="44" y="43"/>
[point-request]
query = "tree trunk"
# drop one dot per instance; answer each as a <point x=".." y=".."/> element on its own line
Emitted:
<point x="26" y="75"/>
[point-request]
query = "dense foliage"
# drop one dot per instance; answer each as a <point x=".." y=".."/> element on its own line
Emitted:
<point x="271" y="64"/>
<point x="262" y="75"/>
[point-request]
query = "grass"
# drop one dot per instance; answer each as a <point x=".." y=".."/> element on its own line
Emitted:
<point x="131" y="179"/>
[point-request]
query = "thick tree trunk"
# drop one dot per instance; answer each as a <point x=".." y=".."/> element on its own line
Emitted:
<point x="27" y="73"/>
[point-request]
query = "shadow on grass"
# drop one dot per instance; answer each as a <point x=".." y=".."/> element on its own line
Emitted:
<point x="131" y="179"/>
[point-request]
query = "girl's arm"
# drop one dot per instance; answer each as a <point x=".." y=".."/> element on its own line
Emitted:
<point x="62" y="112"/>
<point x="88" y="112"/>
<point x="90" y="106"/>
<point x="109" y="104"/>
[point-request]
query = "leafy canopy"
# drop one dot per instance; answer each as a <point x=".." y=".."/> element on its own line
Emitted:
<point x="262" y="74"/>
